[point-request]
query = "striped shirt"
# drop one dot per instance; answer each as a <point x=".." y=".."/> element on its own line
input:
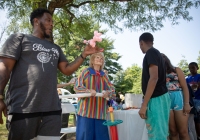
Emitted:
<point x="93" y="107"/>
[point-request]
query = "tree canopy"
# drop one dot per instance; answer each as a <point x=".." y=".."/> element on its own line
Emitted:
<point x="117" y="14"/>
<point x="183" y="64"/>
<point x="75" y="20"/>
<point x="129" y="80"/>
<point x="68" y="36"/>
<point x="198" y="62"/>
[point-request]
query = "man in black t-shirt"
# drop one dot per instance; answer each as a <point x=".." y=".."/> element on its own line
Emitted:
<point x="30" y="62"/>
<point x="156" y="104"/>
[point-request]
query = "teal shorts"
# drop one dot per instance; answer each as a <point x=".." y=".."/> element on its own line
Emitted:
<point x="176" y="100"/>
<point x="157" y="122"/>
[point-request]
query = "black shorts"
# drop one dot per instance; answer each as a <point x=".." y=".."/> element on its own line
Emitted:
<point x="42" y="125"/>
<point x="196" y="115"/>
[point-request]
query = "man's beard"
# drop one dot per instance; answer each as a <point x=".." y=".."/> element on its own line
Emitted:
<point x="43" y="30"/>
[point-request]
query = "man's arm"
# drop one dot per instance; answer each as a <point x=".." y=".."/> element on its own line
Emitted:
<point x="182" y="81"/>
<point x="6" y="66"/>
<point x="68" y="68"/>
<point x="63" y="85"/>
<point x="153" y="72"/>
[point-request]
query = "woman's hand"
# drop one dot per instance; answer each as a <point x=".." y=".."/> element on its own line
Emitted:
<point x="186" y="109"/>
<point x="105" y="94"/>
<point x="3" y="110"/>
<point x="92" y="91"/>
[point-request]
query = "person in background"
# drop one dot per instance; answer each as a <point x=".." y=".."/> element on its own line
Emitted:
<point x="30" y="62"/>
<point x="119" y="103"/>
<point x="191" y="124"/>
<point x="194" y="81"/>
<point x="118" y="95"/>
<point x="116" y="102"/>
<point x="71" y="82"/>
<point x="180" y="106"/>
<point x="92" y="111"/>
<point x="121" y="96"/>
<point x="65" y="116"/>
<point x="156" y="104"/>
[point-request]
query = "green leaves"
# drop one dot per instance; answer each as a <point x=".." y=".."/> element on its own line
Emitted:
<point x="183" y="64"/>
<point x="198" y="62"/>
<point x="76" y="20"/>
<point x="135" y="15"/>
<point x="129" y="80"/>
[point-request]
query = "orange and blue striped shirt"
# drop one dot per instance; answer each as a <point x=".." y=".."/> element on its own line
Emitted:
<point x="93" y="107"/>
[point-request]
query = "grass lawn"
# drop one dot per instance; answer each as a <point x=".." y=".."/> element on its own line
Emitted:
<point x="4" y="132"/>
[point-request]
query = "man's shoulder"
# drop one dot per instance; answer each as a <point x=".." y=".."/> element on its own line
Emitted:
<point x="153" y="50"/>
<point x="13" y="38"/>
<point x="16" y="35"/>
<point x="85" y="70"/>
<point x="198" y="75"/>
<point x="191" y="77"/>
<point x="153" y="53"/>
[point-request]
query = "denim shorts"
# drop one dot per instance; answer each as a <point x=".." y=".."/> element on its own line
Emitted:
<point x="176" y="100"/>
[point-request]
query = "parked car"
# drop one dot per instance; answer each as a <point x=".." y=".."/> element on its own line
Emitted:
<point x="62" y="91"/>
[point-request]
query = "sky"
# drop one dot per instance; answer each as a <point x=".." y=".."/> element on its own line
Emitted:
<point x="175" y="41"/>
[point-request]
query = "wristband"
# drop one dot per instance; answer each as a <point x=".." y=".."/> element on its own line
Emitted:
<point x="186" y="103"/>
<point x="82" y="57"/>
<point x="1" y="97"/>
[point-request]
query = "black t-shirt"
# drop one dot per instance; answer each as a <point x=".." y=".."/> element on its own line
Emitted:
<point x="154" y="57"/>
<point x="32" y="87"/>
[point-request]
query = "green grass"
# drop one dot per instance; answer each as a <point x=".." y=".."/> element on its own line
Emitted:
<point x="4" y="131"/>
<point x="71" y="120"/>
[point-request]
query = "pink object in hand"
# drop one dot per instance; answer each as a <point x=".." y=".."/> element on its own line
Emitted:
<point x="96" y="38"/>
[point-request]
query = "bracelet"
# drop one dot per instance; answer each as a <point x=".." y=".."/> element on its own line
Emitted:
<point x="82" y="57"/>
<point x="1" y="97"/>
<point x="186" y="103"/>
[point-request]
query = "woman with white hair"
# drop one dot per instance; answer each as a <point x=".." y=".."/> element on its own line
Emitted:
<point x="92" y="110"/>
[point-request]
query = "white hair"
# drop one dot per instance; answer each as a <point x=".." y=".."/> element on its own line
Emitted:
<point x="92" y="57"/>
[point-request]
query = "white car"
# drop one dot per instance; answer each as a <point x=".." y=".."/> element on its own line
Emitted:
<point x="67" y="100"/>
